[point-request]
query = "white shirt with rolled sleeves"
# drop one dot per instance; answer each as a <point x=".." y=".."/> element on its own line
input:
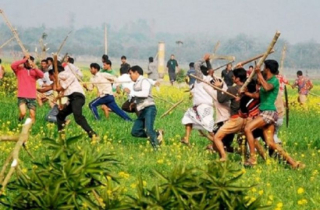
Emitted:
<point x="128" y="83"/>
<point x="102" y="81"/>
<point x="69" y="83"/>
<point x="45" y="81"/>
<point x="73" y="69"/>
<point x="222" y="109"/>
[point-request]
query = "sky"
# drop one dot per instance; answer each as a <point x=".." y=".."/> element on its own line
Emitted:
<point x="297" y="20"/>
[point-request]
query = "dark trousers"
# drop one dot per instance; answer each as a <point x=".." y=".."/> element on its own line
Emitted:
<point x="52" y="115"/>
<point x="76" y="102"/>
<point x="110" y="102"/>
<point x="143" y="125"/>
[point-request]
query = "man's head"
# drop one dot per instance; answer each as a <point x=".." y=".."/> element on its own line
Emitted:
<point x="191" y="65"/>
<point x="70" y="60"/>
<point x="299" y="73"/>
<point x="250" y="68"/>
<point x="239" y="75"/>
<point x="105" y="58"/>
<point x="135" y="72"/>
<point x="107" y="65"/>
<point x="123" y="59"/>
<point x="44" y="65"/>
<point x="150" y="59"/>
<point x="172" y="56"/>
<point x="51" y="72"/>
<point x="229" y="67"/>
<point x="270" y="66"/>
<point x="50" y="61"/>
<point x="27" y="65"/>
<point x="94" y="68"/>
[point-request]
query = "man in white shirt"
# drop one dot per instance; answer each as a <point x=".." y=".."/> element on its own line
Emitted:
<point x="45" y="82"/>
<point x="69" y="86"/>
<point x="200" y="116"/>
<point x="143" y="125"/>
<point x="102" y="81"/>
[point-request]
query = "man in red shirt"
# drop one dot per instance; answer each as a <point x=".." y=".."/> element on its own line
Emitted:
<point x="27" y="75"/>
<point x="304" y="85"/>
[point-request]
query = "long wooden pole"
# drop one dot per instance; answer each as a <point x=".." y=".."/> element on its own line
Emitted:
<point x="283" y="56"/>
<point x="63" y="42"/>
<point x="7" y="42"/>
<point x="173" y="107"/>
<point x="15" y="154"/>
<point x="262" y="59"/>
<point x="213" y="86"/>
<point x="223" y="65"/>
<point x="242" y="63"/>
<point x="105" y="40"/>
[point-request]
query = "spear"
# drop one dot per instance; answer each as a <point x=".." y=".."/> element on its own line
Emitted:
<point x="262" y="59"/>
<point x="213" y="86"/>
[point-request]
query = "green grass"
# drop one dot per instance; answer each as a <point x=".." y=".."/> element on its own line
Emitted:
<point x="277" y="183"/>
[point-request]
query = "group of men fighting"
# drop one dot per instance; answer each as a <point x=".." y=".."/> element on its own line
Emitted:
<point x="257" y="111"/>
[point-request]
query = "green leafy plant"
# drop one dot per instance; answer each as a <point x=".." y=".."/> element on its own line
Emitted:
<point x="70" y="178"/>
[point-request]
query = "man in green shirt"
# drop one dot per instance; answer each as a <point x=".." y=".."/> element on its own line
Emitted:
<point x="107" y="68"/>
<point x="268" y="114"/>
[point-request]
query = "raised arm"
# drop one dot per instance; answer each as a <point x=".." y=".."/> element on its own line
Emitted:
<point x="15" y="65"/>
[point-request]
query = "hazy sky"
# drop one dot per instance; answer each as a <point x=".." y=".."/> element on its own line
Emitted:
<point x="297" y="20"/>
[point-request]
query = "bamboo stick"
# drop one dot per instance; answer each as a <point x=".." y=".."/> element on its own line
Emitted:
<point x="166" y="101"/>
<point x="223" y="65"/>
<point x="7" y="42"/>
<point x="9" y="138"/>
<point x="172" y="108"/>
<point x="283" y="56"/>
<point x="242" y="63"/>
<point x="63" y="42"/>
<point x="15" y="153"/>
<point x="213" y="86"/>
<point x="262" y="59"/>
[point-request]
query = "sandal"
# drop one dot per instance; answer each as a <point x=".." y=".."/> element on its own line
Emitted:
<point x="183" y="141"/>
<point x="250" y="162"/>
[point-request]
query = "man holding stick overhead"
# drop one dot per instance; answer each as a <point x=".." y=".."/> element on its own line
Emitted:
<point x="27" y="75"/>
<point x="200" y="116"/>
<point x="69" y="86"/>
<point x="268" y="113"/>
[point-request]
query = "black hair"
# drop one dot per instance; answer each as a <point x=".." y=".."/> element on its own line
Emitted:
<point x="108" y="62"/>
<point x="70" y="60"/>
<point x="272" y="65"/>
<point x="105" y="58"/>
<point x="50" y="59"/>
<point x="250" y="66"/>
<point x="0" y="60"/>
<point x="31" y="58"/>
<point x="123" y="57"/>
<point x="45" y="61"/>
<point x="240" y="73"/>
<point x="95" y="66"/>
<point x="299" y="73"/>
<point x="150" y="59"/>
<point x="191" y="65"/>
<point x="136" y="69"/>
<point x="124" y="69"/>
<point x="60" y="69"/>
<point x="204" y="70"/>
